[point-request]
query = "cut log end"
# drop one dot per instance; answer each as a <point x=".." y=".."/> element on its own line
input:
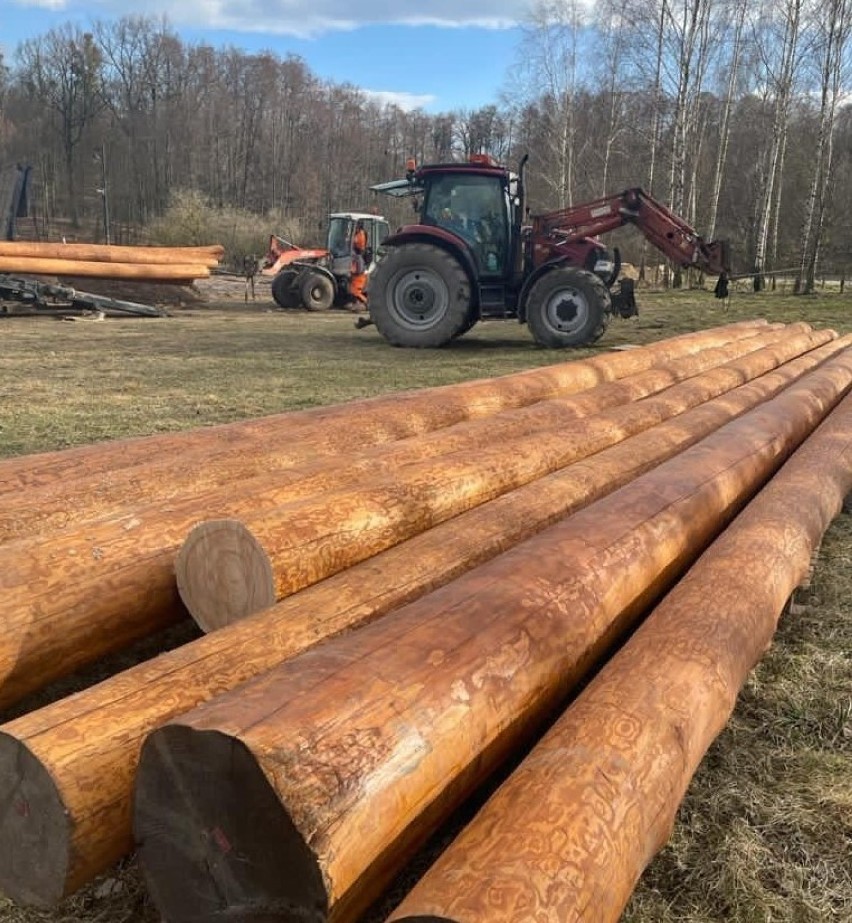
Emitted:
<point x="34" y="829"/>
<point x="214" y="841"/>
<point x="223" y="574"/>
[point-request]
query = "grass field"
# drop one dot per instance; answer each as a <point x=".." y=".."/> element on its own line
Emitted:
<point x="765" y="833"/>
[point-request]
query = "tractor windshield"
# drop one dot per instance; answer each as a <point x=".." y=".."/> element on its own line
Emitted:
<point x="340" y="236"/>
<point x="473" y="207"/>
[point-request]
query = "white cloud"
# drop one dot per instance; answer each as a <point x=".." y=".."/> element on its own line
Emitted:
<point x="56" y="5"/>
<point x="311" y="18"/>
<point x="405" y="101"/>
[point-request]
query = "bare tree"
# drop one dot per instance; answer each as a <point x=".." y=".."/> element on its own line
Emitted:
<point x="833" y="31"/>
<point x="549" y="73"/>
<point x="61" y="70"/>
<point x="782" y="80"/>
<point x="733" y="65"/>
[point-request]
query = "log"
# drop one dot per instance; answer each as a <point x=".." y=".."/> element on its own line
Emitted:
<point x="58" y="617"/>
<point x="89" y="269"/>
<point x="337" y="764"/>
<point x="86" y="747"/>
<point x="227" y="569"/>
<point x="367" y="421"/>
<point x="581" y="818"/>
<point x="102" y="253"/>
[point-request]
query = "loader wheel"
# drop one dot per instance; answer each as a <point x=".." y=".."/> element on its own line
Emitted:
<point x="317" y="292"/>
<point x="568" y="307"/>
<point x="284" y="291"/>
<point x="420" y="297"/>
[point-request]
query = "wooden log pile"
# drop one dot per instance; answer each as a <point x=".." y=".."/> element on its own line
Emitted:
<point x="181" y="265"/>
<point x="405" y="591"/>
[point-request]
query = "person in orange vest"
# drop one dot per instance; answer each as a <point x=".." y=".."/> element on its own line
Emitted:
<point x="358" y="276"/>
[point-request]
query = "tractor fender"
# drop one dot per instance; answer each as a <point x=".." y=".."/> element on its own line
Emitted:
<point x="438" y="237"/>
<point x="301" y="265"/>
<point x="533" y="277"/>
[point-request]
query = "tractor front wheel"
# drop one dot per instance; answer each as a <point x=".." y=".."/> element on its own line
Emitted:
<point x="284" y="291"/>
<point x="420" y="297"/>
<point x="568" y="307"/>
<point x="317" y="291"/>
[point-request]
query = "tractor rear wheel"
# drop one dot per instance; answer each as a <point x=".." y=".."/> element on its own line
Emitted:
<point x="420" y="297"/>
<point x="284" y="291"/>
<point x="317" y="291"/>
<point x="568" y="307"/>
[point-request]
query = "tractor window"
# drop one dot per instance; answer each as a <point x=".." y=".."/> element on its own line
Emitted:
<point x="340" y="236"/>
<point x="474" y="207"/>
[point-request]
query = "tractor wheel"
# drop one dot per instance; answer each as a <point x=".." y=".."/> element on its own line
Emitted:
<point x="317" y="292"/>
<point x="284" y="291"/>
<point x="568" y="307"/>
<point x="420" y="297"/>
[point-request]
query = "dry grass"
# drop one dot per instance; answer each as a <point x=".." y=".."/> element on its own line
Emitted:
<point x="765" y="833"/>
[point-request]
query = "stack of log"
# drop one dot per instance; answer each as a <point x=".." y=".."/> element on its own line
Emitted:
<point x="405" y="592"/>
<point x="181" y="265"/>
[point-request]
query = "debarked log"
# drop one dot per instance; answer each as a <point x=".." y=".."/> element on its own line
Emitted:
<point x="103" y="253"/>
<point x="335" y="765"/>
<point x="364" y="422"/>
<point x="578" y="821"/>
<point x="229" y="568"/>
<point x="93" y="269"/>
<point x="59" y="579"/>
<point x="280" y="456"/>
<point x="81" y="753"/>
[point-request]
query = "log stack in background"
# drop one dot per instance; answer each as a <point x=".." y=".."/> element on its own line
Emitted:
<point x="181" y="265"/>
<point x="371" y="505"/>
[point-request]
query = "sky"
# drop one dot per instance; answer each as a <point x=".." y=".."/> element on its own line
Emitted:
<point x="434" y="54"/>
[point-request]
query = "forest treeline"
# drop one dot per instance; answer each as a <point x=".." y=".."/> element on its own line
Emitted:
<point x="738" y="115"/>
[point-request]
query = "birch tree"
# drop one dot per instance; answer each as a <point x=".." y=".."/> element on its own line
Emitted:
<point x="833" y="28"/>
<point x="782" y="87"/>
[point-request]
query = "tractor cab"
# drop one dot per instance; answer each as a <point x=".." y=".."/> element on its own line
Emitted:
<point x="475" y="202"/>
<point x="341" y="229"/>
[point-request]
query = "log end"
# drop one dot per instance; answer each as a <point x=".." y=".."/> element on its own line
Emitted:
<point x="223" y="574"/>
<point x="35" y="830"/>
<point x="214" y="841"/>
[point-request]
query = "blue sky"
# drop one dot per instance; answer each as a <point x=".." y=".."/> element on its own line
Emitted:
<point x="436" y="54"/>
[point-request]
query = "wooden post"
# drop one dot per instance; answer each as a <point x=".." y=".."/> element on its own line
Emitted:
<point x="584" y="814"/>
<point x="337" y="764"/>
<point x="53" y="489"/>
<point x="87" y="746"/>
<point x="228" y="569"/>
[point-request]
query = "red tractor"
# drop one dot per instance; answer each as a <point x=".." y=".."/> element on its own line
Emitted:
<point x="471" y="256"/>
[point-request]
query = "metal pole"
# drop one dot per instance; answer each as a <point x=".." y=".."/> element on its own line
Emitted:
<point x="104" y="193"/>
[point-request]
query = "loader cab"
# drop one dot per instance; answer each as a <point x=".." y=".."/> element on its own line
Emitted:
<point x="341" y="228"/>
